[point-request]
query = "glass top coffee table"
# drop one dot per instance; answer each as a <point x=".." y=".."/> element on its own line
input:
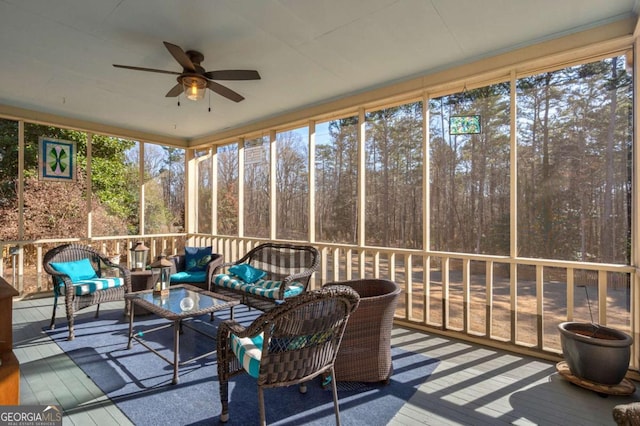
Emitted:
<point x="182" y="302"/>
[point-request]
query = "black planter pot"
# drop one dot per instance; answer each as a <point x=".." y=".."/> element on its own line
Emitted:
<point x="595" y="353"/>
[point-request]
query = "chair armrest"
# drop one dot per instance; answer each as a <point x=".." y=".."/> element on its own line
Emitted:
<point x="231" y="327"/>
<point x="64" y="279"/>
<point x="223" y="345"/>
<point x="301" y="277"/>
<point x="228" y="327"/>
<point x="178" y="263"/>
<point x="294" y="277"/>
<point x="216" y="260"/>
<point x="124" y="272"/>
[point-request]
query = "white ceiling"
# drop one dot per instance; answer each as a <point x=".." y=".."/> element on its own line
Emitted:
<point x="56" y="56"/>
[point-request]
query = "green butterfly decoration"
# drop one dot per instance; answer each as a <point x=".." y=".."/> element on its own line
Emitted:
<point x="58" y="161"/>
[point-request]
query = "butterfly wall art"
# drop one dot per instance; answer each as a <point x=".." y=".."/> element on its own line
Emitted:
<point x="57" y="159"/>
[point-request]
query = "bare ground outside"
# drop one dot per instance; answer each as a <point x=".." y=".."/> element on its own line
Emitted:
<point x="554" y="299"/>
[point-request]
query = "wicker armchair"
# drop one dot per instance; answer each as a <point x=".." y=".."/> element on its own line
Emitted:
<point x="365" y="352"/>
<point x="291" y="344"/>
<point x="79" y="294"/>
<point x="288" y="269"/>
<point x="179" y="265"/>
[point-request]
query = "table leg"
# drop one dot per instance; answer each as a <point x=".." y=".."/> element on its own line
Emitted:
<point x="131" y="313"/>
<point x="177" y="325"/>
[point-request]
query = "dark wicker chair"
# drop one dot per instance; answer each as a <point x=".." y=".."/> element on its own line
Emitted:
<point x="179" y="266"/>
<point x="301" y="338"/>
<point x="365" y="352"/>
<point x="287" y="263"/>
<point x="63" y="285"/>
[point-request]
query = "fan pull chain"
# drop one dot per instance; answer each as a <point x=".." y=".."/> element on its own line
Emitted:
<point x="209" y="97"/>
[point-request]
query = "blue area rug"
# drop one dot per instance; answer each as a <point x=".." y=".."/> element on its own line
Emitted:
<point x="139" y="382"/>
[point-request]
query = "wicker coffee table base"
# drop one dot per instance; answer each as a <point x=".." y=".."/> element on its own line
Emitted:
<point x="177" y="330"/>
<point x="176" y="317"/>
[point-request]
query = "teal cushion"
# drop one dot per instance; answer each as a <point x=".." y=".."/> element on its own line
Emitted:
<point x="247" y="273"/>
<point x="248" y="350"/>
<point x="77" y="270"/>
<point x="264" y="288"/>
<point x="89" y="286"/>
<point x="231" y="281"/>
<point x="189" y="277"/>
<point x="196" y="258"/>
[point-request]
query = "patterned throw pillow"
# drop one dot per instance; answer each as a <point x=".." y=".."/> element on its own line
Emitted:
<point x="196" y="258"/>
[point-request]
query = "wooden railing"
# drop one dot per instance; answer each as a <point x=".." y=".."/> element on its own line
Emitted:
<point x="510" y="303"/>
<point x="21" y="263"/>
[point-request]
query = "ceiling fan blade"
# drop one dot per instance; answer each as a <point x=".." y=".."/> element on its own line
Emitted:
<point x="180" y="56"/>
<point x="146" y="69"/>
<point x="233" y="75"/>
<point x="175" y="91"/>
<point x="224" y="91"/>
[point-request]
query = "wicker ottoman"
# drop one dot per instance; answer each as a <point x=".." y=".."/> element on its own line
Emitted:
<point x="365" y="351"/>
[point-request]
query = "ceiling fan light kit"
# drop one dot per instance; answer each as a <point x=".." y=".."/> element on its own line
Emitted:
<point x="194" y="86"/>
<point x="194" y="81"/>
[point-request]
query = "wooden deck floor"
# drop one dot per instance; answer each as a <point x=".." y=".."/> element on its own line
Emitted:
<point x="473" y="385"/>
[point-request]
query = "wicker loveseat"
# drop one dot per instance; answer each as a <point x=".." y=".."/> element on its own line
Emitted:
<point x="76" y="272"/>
<point x="267" y="274"/>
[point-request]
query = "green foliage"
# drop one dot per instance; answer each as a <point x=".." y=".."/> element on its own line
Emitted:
<point x="114" y="181"/>
<point x="574" y="167"/>
<point x="8" y="161"/>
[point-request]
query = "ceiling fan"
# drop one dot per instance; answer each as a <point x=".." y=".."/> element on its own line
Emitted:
<point x="194" y="80"/>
